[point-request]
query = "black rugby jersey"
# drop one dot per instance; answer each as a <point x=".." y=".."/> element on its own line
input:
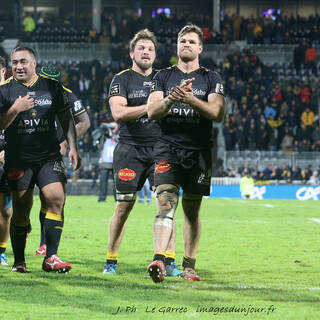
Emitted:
<point x="31" y="137"/>
<point x="183" y="126"/>
<point x="135" y="87"/>
<point x="77" y="108"/>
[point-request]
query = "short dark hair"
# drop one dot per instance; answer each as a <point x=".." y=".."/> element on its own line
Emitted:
<point x="30" y="50"/>
<point x="191" y="28"/>
<point x="144" y="34"/>
<point x="2" y="62"/>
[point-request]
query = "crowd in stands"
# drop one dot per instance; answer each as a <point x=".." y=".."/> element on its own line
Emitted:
<point x="274" y="173"/>
<point x="265" y="113"/>
<point x="270" y="29"/>
<point x="266" y="110"/>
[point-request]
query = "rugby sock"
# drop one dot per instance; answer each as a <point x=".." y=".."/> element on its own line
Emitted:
<point x="18" y="235"/>
<point x="3" y="246"/>
<point x="188" y="262"/>
<point x="169" y="257"/>
<point x="159" y="256"/>
<point x="112" y="258"/>
<point x="42" y="215"/>
<point x="53" y="225"/>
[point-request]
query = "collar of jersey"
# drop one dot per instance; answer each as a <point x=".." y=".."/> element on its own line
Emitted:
<point x="144" y="75"/>
<point x="185" y="72"/>
<point x="30" y="85"/>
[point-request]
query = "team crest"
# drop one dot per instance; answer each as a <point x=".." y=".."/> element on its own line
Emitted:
<point x="126" y="174"/>
<point x="33" y="113"/>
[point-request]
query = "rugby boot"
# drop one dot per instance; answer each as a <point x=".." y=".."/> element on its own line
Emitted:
<point x="190" y="275"/>
<point x="20" y="267"/>
<point x="156" y="270"/>
<point x="54" y="264"/>
<point x="42" y="251"/>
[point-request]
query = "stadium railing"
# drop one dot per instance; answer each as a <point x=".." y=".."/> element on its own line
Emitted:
<point x="261" y="159"/>
<point x="70" y="51"/>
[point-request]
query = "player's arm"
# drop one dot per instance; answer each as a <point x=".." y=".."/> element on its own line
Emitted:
<point x="158" y="105"/>
<point x="82" y="124"/>
<point x="121" y="112"/>
<point x="21" y="104"/>
<point x="69" y="131"/>
<point x="213" y="109"/>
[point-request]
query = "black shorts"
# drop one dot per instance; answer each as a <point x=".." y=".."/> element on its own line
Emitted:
<point x="189" y="169"/>
<point x="4" y="188"/>
<point x="40" y="174"/>
<point x="132" y="165"/>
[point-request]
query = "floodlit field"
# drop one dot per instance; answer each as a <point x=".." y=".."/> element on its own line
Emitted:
<point x="258" y="260"/>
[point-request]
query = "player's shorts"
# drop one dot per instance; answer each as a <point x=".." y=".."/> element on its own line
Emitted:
<point x="189" y="169"/>
<point x="132" y="165"/>
<point x="40" y="174"/>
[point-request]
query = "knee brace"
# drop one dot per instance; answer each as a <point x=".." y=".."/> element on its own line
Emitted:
<point x="191" y="197"/>
<point x="125" y="197"/>
<point x="168" y="197"/>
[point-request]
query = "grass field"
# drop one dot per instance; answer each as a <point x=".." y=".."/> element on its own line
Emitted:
<point x="259" y="255"/>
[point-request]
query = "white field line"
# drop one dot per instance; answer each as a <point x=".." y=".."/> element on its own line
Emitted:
<point x="315" y="220"/>
<point x="242" y="287"/>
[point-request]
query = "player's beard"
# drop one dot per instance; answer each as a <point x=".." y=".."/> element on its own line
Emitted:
<point x="143" y="65"/>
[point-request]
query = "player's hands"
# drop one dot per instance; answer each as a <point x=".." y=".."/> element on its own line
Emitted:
<point x="24" y="103"/>
<point x="184" y="92"/>
<point x="63" y="147"/>
<point x="74" y="159"/>
<point x="2" y="156"/>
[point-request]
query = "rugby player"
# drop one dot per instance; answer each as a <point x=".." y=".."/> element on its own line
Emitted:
<point x="29" y="104"/>
<point x="82" y="123"/>
<point x="133" y="156"/>
<point x="5" y="199"/>
<point x="187" y="98"/>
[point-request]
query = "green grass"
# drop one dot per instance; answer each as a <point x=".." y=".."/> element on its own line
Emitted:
<point x="252" y="254"/>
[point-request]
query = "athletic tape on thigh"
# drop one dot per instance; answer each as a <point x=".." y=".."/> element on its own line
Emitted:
<point x="168" y="196"/>
<point x="125" y="197"/>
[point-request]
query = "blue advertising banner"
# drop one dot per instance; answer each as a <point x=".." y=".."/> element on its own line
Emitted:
<point x="301" y="192"/>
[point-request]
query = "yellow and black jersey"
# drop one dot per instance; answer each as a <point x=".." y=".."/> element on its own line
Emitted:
<point x="135" y="87"/>
<point x="77" y="109"/>
<point x="32" y="137"/>
<point x="184" y="127"/>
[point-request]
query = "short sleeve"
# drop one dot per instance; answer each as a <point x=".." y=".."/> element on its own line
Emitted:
<point x="216" y="83"/>
<point x="118" y="86"/>
<point x="157" y="82"/>
<point x="77" y="107"/>
<point x="62" y="101"/>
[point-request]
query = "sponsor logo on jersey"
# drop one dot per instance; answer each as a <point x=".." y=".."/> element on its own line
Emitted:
<point x="138" y="94"/>
<point x="126" y="174"/>
<point x="162" y="167"/>
<point x="219" y="88"/>
<point x="77" y="105"/>
<point x="153" y="85"/>
<point x="15" y="174"/>
<point x="115" y="89"/>
<point x="42" y="102"/>
<point x="147" y="83"/>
